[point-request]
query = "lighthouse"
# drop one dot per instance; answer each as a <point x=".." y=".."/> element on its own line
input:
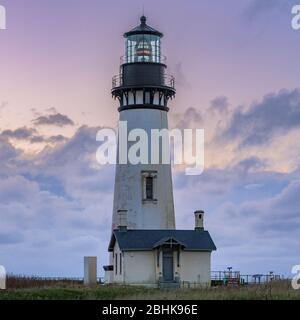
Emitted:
<point x="145" y="247"/>
<point x="143" y="89"/>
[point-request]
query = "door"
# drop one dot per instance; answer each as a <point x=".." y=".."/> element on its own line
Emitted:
<point x="168" y="274"/>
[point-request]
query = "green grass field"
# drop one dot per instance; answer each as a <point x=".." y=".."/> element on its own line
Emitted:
<point x="64" y="291"/>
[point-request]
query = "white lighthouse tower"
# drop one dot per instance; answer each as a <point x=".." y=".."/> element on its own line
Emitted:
<point x="143" y="90"/>
<point x="145" y="248"/>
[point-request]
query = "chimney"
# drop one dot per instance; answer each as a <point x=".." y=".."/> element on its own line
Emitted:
<point x="199" y="218"/>
<point x="122" y="225"/>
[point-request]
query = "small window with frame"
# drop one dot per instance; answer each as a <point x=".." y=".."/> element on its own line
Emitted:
<point x="147" y="97"/>
<point x="120" y="263"/>
<point x="149" y="186"/>
<point x="116" y="263"/>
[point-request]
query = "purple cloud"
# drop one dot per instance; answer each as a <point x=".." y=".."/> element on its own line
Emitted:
<point x="276" y="114"/>
<point x="58" y="120"/>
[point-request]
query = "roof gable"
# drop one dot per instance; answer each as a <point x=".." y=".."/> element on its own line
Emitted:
<point x="172" y="241"/>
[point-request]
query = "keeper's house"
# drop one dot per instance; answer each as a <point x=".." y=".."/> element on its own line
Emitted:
<point x="161" y="257"/>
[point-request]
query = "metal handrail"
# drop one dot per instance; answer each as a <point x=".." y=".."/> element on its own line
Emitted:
<point x="221" y="276"/>
<point x="160" y="59"/>
<point x="168" y="81"/>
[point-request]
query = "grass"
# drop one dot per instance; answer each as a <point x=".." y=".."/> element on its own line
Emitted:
<point x="33" y="289"/>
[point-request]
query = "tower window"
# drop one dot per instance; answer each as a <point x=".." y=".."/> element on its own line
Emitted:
<point x="143" y="48"/>
<point x="116" y="262"/>
<point x="178" y="258"/>
<point x="120" y="263"/>
<point x="147" y="97"/>
<point x="149" y="188"/>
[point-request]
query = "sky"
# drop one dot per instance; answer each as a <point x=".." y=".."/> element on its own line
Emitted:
<point x="237" y="70"/>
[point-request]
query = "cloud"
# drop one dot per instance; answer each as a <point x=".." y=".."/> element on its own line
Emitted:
<point x="57" y="138"/>
<point x="181" y="79"/>
<point x="255" y="229"/>
<point x="52" y="139"/>
<point x="58" y="204"/>
<point x="7" y="238"/>
<point x="58" y="119"/>
<point x="188" y="119"/>
<point x="58" y="199"/>
<point x="220" y="104"/>
<point x="8" y="155"/>
<point x="234" y="133"/>
<point x="17" y="189"/>
<point x="270" y="225"/>
<point x="19" y="134"/>
<point x="52" y="110"/>
<point x="276" y="114"/>
<point x="257" y="8"/>
<point x="31" y="135"/>
<point x="251" y="164"/>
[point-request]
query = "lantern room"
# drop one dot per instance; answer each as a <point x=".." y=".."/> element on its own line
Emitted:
<point x="142" y="80"/>
<point x="143" y="44"/>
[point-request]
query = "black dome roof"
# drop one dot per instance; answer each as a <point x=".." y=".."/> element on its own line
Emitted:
<point x="143" y="28"/>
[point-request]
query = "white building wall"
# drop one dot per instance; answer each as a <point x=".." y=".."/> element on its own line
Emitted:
<point x="128" y="180"/>
<point x="118" y="273"/>
<point x="140" y="267"/>
<point x="195" y="267"/>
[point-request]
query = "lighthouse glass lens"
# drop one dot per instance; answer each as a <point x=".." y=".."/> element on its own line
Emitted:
<point x="143" y="48"/>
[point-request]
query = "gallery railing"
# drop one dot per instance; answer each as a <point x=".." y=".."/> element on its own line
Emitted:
<point x="136" y="59"/>
<point x="166" y="80"/>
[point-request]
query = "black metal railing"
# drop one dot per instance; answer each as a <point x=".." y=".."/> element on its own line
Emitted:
<point x="167" y="80"/>
<point x="235" y="277"/>
<point x="136" y="59"/>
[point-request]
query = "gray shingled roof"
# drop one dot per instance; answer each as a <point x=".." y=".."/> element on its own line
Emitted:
<point x="149" y="239"/>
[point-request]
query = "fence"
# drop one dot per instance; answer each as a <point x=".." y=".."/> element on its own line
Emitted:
<point x="235" y="278"/>
<point x="218" y="278"/>
<point x="20" y="281"/>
